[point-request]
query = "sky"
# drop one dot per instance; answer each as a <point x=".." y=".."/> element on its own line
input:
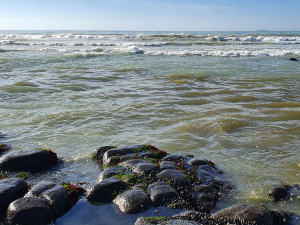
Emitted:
<point x="150" y="15"/>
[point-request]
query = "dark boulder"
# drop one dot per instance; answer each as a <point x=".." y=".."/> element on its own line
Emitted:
<point x="172" y="158"/>
<point x="204" y="202"/>
<point x="10" y="190"/>
<point x="98" y="153"/>
<point x="206" y="172"/>
<point x="161" y="193"/>
<point x="28" y="160"/>
<point x="132" y="201"/>
<point x="247" y="213"/>
<point x="278" y="193"/>
<point x="56" y="195"/>
<point x="106" y="190"/>
<point x="140" y="167"/>
<point x="29" y="211"/>
<point x="175" y="175"/>
<point x="164" y="165"/>
<point x="293" y="59"/>
<point x="209" y="190"/>
<point x="109" y="172"/>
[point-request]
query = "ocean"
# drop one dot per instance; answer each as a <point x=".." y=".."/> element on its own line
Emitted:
<point x="229" y="97"/>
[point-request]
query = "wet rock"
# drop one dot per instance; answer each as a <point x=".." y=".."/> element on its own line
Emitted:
<point x="247" y="213"/>
<point x="54" y="193"/>
<point x="209" y="190"/>
<point x="164" y="165"/>
<point x="197" y="162"/>
<point x="10" y="190"/>
<point x="105" y="190"/>
<point x="29" y="211"/>
<point x="204" y="202"/>
<point x="132" y="201"/>
<point x="278" y="193"/>
<point x="206" y="172"/>
<point x="147" y="155"/>
<point x="280" y="217"/>
<point x="180" y="222"/>
<point x="172" y="158"/>
<point x="187" y="213"/>
<point x="161" y="193"/>
<point x="28" y="160"/>
<point x="293" y="59"/>
<point x="98" y="153"/>
<point x="140" y="167"/>
<point x="169" y="174"/>
<point x="109" y="172"/>
<point x="108" y="156"/>
<point x="143" y="221"/>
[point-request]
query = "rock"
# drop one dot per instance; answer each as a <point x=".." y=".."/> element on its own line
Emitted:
<point x="132" y="201"/>
<point x="172" y="158"/>
<point x="180" y="222"/>
<point x="206" y="172"/>
<point x="204" y="202"/>
<point x="293" y="59"/>
<point x="164" y="165"/>
<point x="187" y="213"/>
<point x="109" y="172"/>
<point x="197" y="162"/>
<point x="106" y="190"/>
<point x="3" y="148"/>
<point x="117" y="152"/>
<point x="54" y="193"/>
<point x="140" y="167"/>
<point x="29" y="211"/>
<point x="143" y="221"/>
<point x="10" y="190"/>
<point x="209" y="190"/>
<point x="98" y="153"/>
<point x="174" y="175"/>
<point x="246" y="213"/>
<point x="28" y="160"/>
<point x="147" y="155"/>
<point x="278" y="193"/>
<point x="161" y="193"/>
<point x="280" y="217"/>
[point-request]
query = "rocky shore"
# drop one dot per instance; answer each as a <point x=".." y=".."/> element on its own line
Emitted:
<point x="134" y="178"/>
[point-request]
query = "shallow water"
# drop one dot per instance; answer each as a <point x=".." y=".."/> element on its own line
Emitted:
<point x="76" y="91"/>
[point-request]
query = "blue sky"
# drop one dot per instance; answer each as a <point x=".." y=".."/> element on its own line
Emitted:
<point x="154" y="15"/>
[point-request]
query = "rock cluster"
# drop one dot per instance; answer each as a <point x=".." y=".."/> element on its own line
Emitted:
<point x="151" y="177"/>
<point x="134" y="178"/>
<point x="41" y="204"/>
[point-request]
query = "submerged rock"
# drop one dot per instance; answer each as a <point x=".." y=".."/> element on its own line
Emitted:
<point x="132" y="201"/>
<point x="293" y="59"/>
<point x="10" y="190"/>
<point x="278" y="193"/>
<point x="180" y="222"/>
<point x="110" y="155"/>
<point x="106" y="190"/>
<point x="28" y="160"/>
<point x="172" y="158"/>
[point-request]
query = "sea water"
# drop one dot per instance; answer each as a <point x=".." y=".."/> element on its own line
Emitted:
<point x="229" y="97"/>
